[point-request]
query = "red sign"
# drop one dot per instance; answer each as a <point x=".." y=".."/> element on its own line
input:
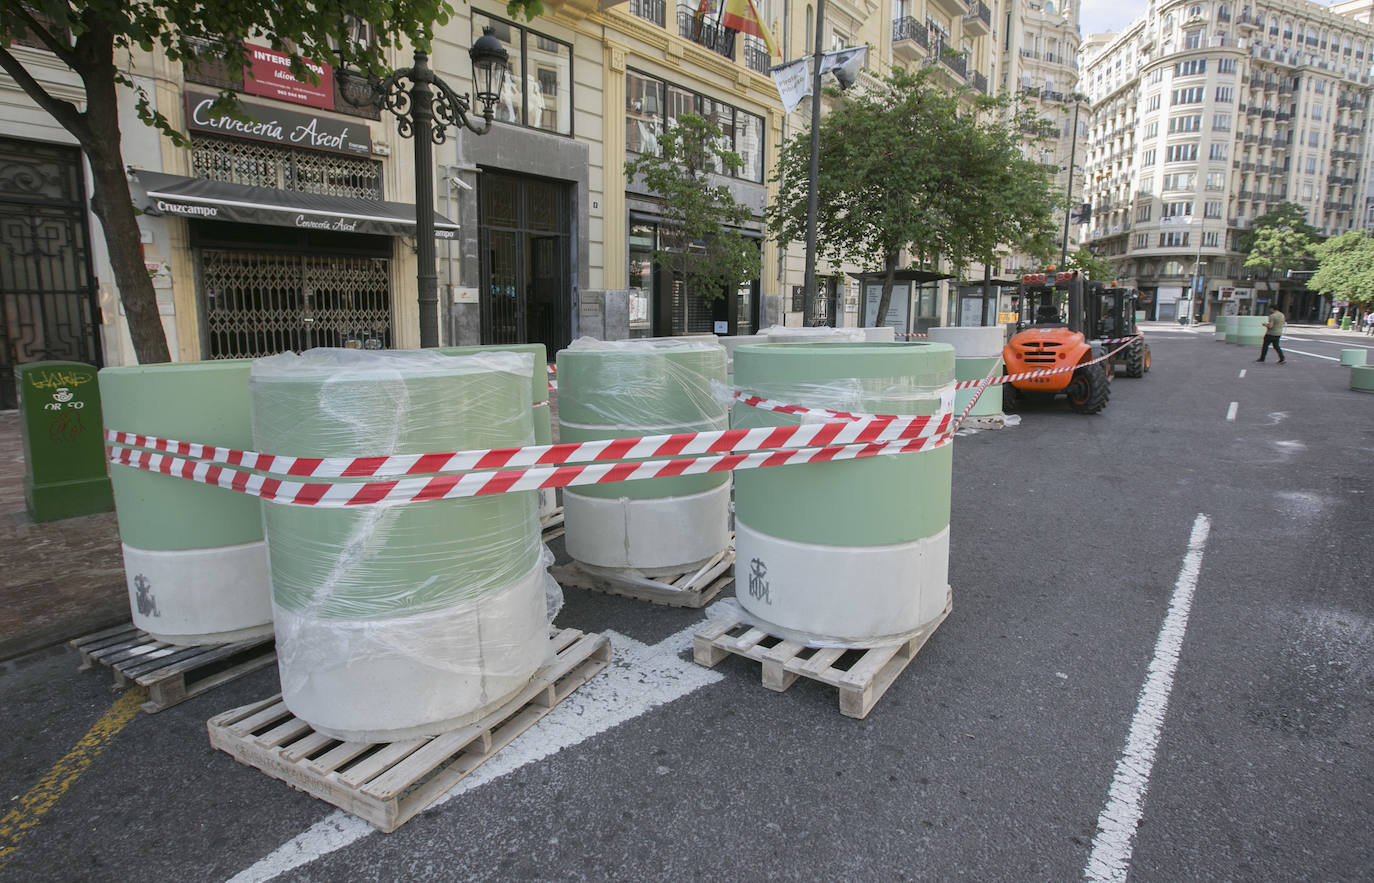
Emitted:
<point x="269" y="74"/>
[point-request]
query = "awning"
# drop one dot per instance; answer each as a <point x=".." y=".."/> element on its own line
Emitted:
<point x="920" y="277"/>
<point x="156" y="193"/>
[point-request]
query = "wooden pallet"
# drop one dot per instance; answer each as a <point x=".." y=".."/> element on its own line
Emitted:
<point x="691" y="588"/>
<point x="172" y="674"/>
<point x="388" y="783"/>
<point x="862" y="676"/>
<point x="552" y="524"/>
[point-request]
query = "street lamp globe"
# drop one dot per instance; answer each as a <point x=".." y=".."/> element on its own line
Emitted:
<point x="489" y="64"/>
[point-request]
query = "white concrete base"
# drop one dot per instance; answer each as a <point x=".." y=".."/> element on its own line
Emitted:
<point x="200" y="596"/>
<point x="548" y="501"/>
<point x="655" y="537"/>
<point x="971" y="341"/>
<point x="383" y="680"/>
<point x="856" y="596"/>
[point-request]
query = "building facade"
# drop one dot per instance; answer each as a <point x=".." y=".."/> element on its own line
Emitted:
<point x="1207" y="115"/>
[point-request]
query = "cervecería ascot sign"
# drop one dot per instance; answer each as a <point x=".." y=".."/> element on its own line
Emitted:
<point x="275" y="125"/>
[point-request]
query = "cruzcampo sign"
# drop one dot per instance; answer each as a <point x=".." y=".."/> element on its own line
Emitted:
<point x="277" y="125"/>
<point x="64" y="444"/>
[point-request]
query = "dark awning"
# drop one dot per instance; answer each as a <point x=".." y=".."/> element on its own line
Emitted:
<point x="918" y="276"/>
<point x="156" y="193"/>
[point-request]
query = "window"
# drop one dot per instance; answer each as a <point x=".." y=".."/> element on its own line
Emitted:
<point x="1151" y="131"/>
<point x="537" y="88"/>
<point x="1211" y="239"/>
<point x="1142" y="240"/>
<point x="1173" y="239"/>
<point x="1211" y="209"/>
<point x="1147" y="158"/>
<point x="1180" y="181"/>
<point x="1226" y="65"/>
<point x="1143" y="212"/>
<point x="650" y="104"/>
<point x="1219" y="150"/>
<point x="1192" y="39"/>
<point x="1316" y="112"/>
<point x="1152" y="103"/>
<point x="1145" y="184"/>
<point x="1221" y="122"/>
<point x="1191" y="95"/>
<point x="1314" y="139"/>
<point x="1225" y="94"/>
<point x="1191" y="68"/>
<point x="1182" y="153"/>
<point x="1311" y="165"/>
<point x="1192" y="123"/>
<point x="1320" y="87"/>
<point x="1216" y="180"/>
<point x="1177" y="210"/>
<point x="1156" y="76"/>
<point x="1307" y="190"/>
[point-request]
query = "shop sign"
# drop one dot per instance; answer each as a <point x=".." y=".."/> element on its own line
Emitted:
<point x="275" y="125"/>
<point x="268" y="73"/>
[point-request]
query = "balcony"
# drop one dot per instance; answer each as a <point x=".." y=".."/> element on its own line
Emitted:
<point x="1267" y="113"/>
<point x="717" y="39"/>
<point x="979" y="82"/>
<point x="950" y="58"/>
<point x="1282" y="116"/>
<point x="756" y="55"/>
<point x="650" y="10"/>
<point x="978" y="20"/>
<point x="907" y="34"/>
<point x="956" y="8"/>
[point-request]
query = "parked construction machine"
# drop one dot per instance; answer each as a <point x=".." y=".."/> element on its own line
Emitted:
<point x="1049" y="334"/>
<point x="1110" y="314"/>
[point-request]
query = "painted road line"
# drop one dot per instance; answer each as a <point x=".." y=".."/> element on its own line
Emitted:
<point x="1231" y="412"/>
<point x="1116" y="826"/>
<point x="1313" y="355"/>
<point x="1242" y="373"/>
<point x="18" y="822"/>
<point x="639" y="679"/>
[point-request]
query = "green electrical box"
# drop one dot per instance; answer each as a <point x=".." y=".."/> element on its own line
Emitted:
<point x="64" y="444"/>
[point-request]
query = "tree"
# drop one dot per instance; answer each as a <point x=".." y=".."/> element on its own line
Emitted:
<point x="1097" y="268"/>
<point x="907" y="165"/>
<point x="98" y="40"/>
<point x="1345" y="268"/>
<point x="699" y="239"/>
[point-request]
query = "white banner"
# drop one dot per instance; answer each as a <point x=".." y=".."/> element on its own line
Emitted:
<point x="793" y="81"/>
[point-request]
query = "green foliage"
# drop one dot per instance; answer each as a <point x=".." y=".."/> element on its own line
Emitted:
<point x="1279" y="249"/>
<point x="1098" y="269"/>
<point x="1345" y="268"/>
<point x="908" y="165"/>
<point x="699" y="239"/>
<point x="1287" y="215"/>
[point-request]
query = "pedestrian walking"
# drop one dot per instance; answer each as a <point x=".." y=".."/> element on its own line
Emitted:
<point x="1369" y="322"/>
<point x="1273" y="331"/>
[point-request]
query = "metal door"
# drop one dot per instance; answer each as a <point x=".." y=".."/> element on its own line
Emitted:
<point x="263" y="303"/>
<point x="525" y="242"/>
<point x="47" y="289"/>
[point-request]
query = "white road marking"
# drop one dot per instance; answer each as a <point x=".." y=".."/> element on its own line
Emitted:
<point x="1116" y="826"/>
<point x="1231" y="411"/>
<point x="1242" y="372"/>
<point x="639" y="679"/>
<point x="1313" y="355"/>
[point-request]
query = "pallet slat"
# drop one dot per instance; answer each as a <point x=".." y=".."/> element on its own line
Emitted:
<point x="693" y="588"/>
<point x="390" y="783"/>
<point x="860" y="686"/>
<point x="172" y="673"/>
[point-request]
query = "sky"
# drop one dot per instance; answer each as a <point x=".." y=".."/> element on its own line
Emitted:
<point x="1100" y="16"/>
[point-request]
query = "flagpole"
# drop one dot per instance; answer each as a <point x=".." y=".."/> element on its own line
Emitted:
<point x="809" y="296"/>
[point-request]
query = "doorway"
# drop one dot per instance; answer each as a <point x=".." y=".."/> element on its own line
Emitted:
<point x="47" y="289"/>
<point x="526" y="246"/>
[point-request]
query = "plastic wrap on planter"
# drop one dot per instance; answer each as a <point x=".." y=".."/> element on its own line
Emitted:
<point x="405" y="620"/>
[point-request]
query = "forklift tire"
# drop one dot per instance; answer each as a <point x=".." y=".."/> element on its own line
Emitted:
<point x="1010" y="397"/>
<point x="1088" y="390"/>
<point x="1147" y="358"/>
<point x="1135" y="359"/>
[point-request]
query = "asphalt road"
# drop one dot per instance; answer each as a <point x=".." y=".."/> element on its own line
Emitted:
<point x="991" y="757"/>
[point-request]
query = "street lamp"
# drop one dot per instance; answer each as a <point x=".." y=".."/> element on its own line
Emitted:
<point x="418" y="98"/>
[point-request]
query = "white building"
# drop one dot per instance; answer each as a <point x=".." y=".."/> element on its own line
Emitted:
<point x="1207" y="115"/>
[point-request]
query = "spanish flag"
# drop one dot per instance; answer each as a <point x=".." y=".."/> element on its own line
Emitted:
<point x="743" y="16"/>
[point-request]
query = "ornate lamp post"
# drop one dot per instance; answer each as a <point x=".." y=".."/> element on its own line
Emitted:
<point x="419" y="99"/>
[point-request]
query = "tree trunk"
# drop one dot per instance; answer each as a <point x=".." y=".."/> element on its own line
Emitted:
<point x="112" y="203"/>
<point x="885" y="300"/>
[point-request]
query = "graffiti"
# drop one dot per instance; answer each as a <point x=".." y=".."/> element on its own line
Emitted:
<point x="143" y="596"/>
<point x="58" y="380"/>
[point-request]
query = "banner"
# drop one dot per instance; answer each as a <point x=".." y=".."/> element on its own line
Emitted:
<point x="793" y="79"/>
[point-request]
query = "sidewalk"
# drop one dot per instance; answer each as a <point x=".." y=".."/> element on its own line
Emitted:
<point x="59" y="580"/>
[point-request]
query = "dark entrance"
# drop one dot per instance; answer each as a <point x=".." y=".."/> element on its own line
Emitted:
<point x="47" y="289"/>
<point x="526" y="247"/>
<point x="267" y="290"/>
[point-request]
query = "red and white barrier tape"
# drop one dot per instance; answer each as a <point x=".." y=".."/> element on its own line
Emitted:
<point x="867" y="430"/>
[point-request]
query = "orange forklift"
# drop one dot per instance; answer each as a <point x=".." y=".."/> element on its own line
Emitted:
<point x="1050" y="334"/>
